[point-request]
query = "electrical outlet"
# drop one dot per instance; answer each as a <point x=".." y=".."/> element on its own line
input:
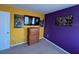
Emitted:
<point x="47" y="35"/>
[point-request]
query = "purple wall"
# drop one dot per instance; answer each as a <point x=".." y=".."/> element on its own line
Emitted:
<point x="64" y="36"/>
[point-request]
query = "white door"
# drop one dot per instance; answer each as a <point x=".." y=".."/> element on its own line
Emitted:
<point x="4" y="30"/>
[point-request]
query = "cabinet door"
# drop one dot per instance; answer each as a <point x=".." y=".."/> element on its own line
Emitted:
<point x="33" y="35"/>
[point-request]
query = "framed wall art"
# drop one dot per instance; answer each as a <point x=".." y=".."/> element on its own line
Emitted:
<point x="18" y="21"/>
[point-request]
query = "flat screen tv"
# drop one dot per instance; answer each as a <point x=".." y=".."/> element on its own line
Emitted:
<point x="29" y="20"/>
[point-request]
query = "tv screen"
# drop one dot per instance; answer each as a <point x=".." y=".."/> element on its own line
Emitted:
<point x="37" y="21"/>
<point x="26" y="21"/>
<point x="31" y="20"/>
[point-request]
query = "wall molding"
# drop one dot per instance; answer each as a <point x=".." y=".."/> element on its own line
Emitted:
<point x="56" y="46"/>
<point x="17" y="44"/>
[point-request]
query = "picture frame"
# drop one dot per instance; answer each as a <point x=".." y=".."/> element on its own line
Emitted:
<point x="18" y="21"/>
<point x="64" y="20"/>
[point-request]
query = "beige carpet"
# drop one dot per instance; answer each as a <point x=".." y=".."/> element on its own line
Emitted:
<point x="42" y="47"/>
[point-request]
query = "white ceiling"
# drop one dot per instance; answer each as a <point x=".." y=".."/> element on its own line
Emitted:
<point x="44" y="8"/>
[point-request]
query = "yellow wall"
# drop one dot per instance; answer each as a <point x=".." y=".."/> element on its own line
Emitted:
<point x="17" y="35"/>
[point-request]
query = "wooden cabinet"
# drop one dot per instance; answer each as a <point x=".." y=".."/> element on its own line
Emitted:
<point x="33" y="35"/>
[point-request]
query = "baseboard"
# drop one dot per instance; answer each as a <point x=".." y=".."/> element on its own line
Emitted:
<point x="57" y="46"/>
<point x="20" y="43"/>
<point x="17" y="44"/>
